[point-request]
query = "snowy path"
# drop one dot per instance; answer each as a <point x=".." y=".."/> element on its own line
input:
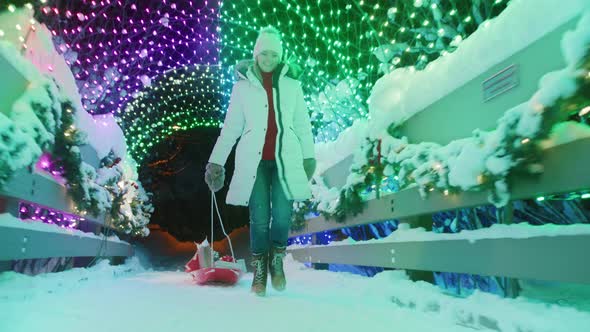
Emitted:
<point x="128" y="298"/>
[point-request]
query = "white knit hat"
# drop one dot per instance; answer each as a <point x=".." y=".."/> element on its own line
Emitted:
<point x="269" y="39"/>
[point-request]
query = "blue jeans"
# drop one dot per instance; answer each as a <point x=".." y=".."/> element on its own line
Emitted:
<point x="268" y="200"/>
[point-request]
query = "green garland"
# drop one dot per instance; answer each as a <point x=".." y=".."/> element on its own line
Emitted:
<point x="57" y="134"/>
<point x="350" y="201"/>
<point x="58" y="119"/>
<point x="526" y="151"/>
<point x="67" y="141"/>
<point x="12" y="147"/>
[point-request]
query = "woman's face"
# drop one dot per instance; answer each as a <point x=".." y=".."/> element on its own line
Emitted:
<point x="267" y="60"/>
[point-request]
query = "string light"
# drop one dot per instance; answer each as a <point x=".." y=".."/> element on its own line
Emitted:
<point x="114" y="55"/>
<point x="34" y="212"/>
<point x="339" y="41"/>
<point x="181" y="99"/>
<point x="117" y="59"/>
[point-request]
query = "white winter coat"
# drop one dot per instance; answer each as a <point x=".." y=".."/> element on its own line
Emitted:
<point x="247" y="119"/>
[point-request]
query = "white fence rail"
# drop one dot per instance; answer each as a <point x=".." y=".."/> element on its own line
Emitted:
<point x="556" y="257"/>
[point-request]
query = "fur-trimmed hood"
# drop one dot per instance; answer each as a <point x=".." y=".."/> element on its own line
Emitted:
<point x="287" y="69"/>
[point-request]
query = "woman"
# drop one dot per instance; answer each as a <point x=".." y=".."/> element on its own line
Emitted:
<point x="275" y="156"/>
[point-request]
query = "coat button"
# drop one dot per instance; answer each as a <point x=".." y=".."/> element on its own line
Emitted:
<point x="259" y="152"/>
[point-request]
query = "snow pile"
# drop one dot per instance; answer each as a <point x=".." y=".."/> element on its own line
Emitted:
<point x="28" y="112"/>
<point x="24" y="133"/>
<point x="17" y="149"/>
<point x="463" y="163"/>
<point x="101" y="126"/>
<point x="330" y="196"/>
<point x="330" y="153"/>
<point x="399" y="95"/>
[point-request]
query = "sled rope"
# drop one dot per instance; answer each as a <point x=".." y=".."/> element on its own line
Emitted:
<point x="214" y="203"/>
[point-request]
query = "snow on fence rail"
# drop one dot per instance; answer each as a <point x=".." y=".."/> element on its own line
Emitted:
<point x="33" y="240"/>
<point x="558" y="253"/>
<point x="68" y="235"/>
<point x="76" y="235"/>
<point x="537" y="257"/>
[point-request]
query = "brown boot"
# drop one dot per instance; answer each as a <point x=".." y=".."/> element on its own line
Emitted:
<point x="275" y="265"/>
<point x="260" y="264"/>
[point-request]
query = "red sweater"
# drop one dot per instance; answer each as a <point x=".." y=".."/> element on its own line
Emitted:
<point x="268" y="152"/>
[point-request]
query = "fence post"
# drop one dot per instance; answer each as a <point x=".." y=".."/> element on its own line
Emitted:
<point x="425" y="221"/>
<point x="318" y="266"/>
<point x="511" y="285"/>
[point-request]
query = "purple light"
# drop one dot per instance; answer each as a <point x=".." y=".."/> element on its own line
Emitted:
<point x="47" y="165"/>
<point x="146" y="20"/>
<point x="31" y="211"/>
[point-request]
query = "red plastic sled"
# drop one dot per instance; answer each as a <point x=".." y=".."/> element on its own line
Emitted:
<point x="202" y="266"/>
<point x="225" y="271"/>
<point x="215" y="275"/>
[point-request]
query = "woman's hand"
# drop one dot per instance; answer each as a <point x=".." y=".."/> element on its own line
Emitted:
<point x="309" y="165"/>
<point x="214" y="176"/>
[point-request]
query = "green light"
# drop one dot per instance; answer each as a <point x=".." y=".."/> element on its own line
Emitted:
<point x="540" y="198"/>
<point x="337" y="39"/>
<point x="585" y="196"/>
<point x="183" y="99"/>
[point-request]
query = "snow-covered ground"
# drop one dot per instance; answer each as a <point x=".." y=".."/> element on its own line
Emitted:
<point x="131" y="298"/>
